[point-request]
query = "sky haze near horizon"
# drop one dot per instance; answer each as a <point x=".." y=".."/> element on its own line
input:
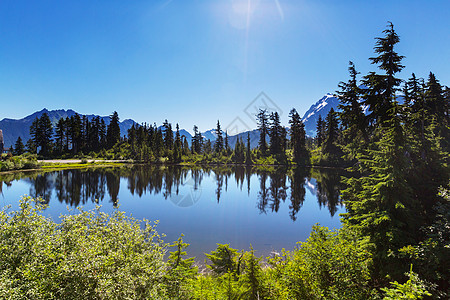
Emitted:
<point x="194" y="62"/>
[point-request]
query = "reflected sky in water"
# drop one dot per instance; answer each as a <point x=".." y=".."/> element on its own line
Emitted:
<point x="269" y="209"/>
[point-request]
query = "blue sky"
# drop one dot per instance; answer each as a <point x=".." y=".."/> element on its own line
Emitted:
<point x="194" y="62"/>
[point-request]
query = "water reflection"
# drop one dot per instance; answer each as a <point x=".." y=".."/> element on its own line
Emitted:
<point x="276" y="185"/>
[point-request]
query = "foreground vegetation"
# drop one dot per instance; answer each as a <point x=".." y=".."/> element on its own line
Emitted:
<point x="94" y="255"/>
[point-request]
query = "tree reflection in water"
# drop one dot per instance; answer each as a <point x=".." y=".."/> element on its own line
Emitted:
<point x="78" y="187"/>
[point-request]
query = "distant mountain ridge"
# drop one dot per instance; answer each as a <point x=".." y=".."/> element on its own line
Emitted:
<point x="13" y="128"/>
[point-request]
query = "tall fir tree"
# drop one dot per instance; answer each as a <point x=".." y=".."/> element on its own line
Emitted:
<point x="320" y="131"/>
<point x="19" y="148"/>
<point x="248" y="155"/>
<point x="263" y="128"/>
<point x="351" y="115"/>
<point x="218" y="145"/>
<point x="168" y="135"/>
<point x="275" y="134"/>
<point x="113" y="130"/>
<point x="332" y="132"/>
<point x="381" y="88"/>
<point x="298" y="138"/>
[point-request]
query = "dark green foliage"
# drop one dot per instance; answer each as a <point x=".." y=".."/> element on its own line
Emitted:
<point x="239" y="151"/>
<point x="41" y="131"/>
<point x="248" y="153"/>
<point x="226" y="145"/>
<point x="19" y="148"/>
<point x="351" y="115"/>
<point x="320" y="128"/>
<point x="168" y="135"/>
<point x="381" y="88"/>
<point x="197" y="141"/>
<point x="113" y="131"/>
<point x="263" y="127"/>
<point x="218" y="144"/>
<point x="177" y="151"/>
<point x="276" y="135"/>
<point x="298" y="138"/>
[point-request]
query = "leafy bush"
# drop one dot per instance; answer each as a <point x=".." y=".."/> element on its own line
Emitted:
<point x="90" y="255"/>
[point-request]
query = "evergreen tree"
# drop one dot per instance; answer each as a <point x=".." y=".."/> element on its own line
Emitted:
<point x="263" y="128"/>
<point x="185" y="146"/>
<point x="239" y="152"/>
<point x="332" y="132"/>
<point x="180" y="270"/>
<point x="381" y="89"/>
<point x="177" y="146"/>
<point x="30" y="146"/>
<point x="168" y="135"/>
<point x="298" y="137"/>
<point x="218" y="145"/>
<point x="207" y="146"/>
<point x="248" y="156"/>
<point x="381" y="205"/>
<point x="275" y="134"/>
<point x="226" y="144"/>
<point x="35" y="132"/>
<point x="60" y="136"/>
<point x="19" y="148"/>
<point x="41" y="131"/>
<point x="75" y="133"/>
<point x="94" y="134"/>
<point x="47" y="133"/>
<point x="320" y="131"/>
<point x="437" y="108"/>
<point x="102" y="134"/>
<point x="351" y="115"/>
<point x="197" y="141"/>
<point x="113" y="130"/>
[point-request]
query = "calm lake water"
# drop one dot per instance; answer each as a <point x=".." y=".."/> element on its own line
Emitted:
<point x="269" y="209"/>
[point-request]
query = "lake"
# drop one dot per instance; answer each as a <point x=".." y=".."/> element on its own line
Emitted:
<point x="268" y="208"/>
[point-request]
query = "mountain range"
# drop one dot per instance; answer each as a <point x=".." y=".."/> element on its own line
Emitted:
<point x="13" y="128"/>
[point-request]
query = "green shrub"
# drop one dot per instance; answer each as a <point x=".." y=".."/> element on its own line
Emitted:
<point x="90" y="255"/>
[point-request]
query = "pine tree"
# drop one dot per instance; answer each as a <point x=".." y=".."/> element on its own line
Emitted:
<point x="351" y="115"/>
<point x="320" y="132"/>
<point x="332" y="132"/>
<point x="248" y="156"/>
<point x="75" y="133"/>
<point x="177" y="145"/>
<point x="180" y="270"/>
<point x="60" y="135"/>
<point x="168" y="135"/>
<point x="19" y="148"/>
<point x="35" y="132"/>
<point x="298" y="137"/>
<point x="226" y="143"/>
<point x="263" y="127"/>
<point x="113" y="130"/>
<point x="41" y="131"/>
<point x="381" y="205"/>
<point x="30" y="146"/>
<point x="218" y="145"/>
<point x="381" y="89"/>
<point x="275" y="134"/>
<point x="102" y="134"/>
<point x="197" y="141"/>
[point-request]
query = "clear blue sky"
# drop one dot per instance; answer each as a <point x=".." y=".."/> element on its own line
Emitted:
<point x="194" y="62"/>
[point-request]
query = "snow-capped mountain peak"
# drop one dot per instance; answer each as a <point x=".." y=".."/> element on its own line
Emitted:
<point x="320" y="108"/>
